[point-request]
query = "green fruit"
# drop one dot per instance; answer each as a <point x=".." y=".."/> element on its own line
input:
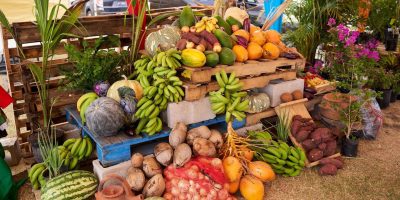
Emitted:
<point x="76" y="184"/>
<point x="232" y="21"/>
<point x="187" y="17"/>
<point x="222" y="23"/>
<point x="212" y="58"/>
<point x="226" y="56"/>
<point x="223" y="38"/>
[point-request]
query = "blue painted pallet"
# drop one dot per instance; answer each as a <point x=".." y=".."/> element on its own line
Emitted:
<point x="119" y="148"/>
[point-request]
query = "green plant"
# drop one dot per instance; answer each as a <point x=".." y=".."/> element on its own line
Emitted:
<point x="381" y="13"/>
<point x="310" y="18"/>
<point x="92" y="64"/>
<point x="380" y="79"/>
<point x="52" y="30"/>
<point x="282" y="127"/>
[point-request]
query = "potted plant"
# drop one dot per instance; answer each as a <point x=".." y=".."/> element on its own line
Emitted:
<point x="381" y="81"/>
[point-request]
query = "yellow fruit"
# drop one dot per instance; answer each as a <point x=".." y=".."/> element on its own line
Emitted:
<point x="262" y="171"/>
<point x="241" y="53"/>
<point x="254" y="28"/>
<point x="193" y="58"/>
<point x="271" y="51"/>
<point x="251" y="188"/>
<point x="255" y="51"/>
<point x="233" y="168"/>
<point x="242" y="33"/>
<point x="273" y="36"/>
<point x="258" y="37"/>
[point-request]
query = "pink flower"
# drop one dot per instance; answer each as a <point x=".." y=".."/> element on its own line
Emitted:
<point x="331" y="22"/>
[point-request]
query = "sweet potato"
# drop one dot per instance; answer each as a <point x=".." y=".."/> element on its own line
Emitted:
<point x="191" y="37"/>
<point x="204" y="147"/>
<point x="181" y="44"/>
<point x="199" y="132"/>
<point x="209" y="37"/>
<point x="328" y="169"/>
<point x="297" y="118"/>
<point x="337" y="163"/>
<point x="295" y="127"/>
<point x="330" y="148"/>
<point x="314" y="155"/>
<point x="302" y="135"/>
<point x="322" y="146"/>
<point x="317" y="134"/>
<point x="306" y="128"/>
<point x="308" y="144"/>
<point x="305" y="120"/>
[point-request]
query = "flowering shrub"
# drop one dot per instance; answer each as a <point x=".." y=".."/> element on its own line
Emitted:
<point x="347" y="61"/>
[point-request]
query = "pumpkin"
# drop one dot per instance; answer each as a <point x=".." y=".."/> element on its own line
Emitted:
<point x="254" y="28"/>
<point x="233" y="168"/>
<point x="261" y="170"/>
<point x="163" y="39"/>
<point x="242" y="33"/>
<point x="113" y="90"/>
<point x="241" y="53"/>
<point x="251" y="188"/>
<point x="105" y="116"/>
<point x="271" y="51"/>
<point x="273" y="36"/>
<point x="258" y="37"/>
<point x="255" y="51"/>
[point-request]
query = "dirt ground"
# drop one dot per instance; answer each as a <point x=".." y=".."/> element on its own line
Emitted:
<point x="374" y="174"/>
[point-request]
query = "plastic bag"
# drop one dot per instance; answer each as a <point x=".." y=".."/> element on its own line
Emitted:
<point x="372" y="119"/>
<point x="201" y="177"/>
<point x="258" y="102"/>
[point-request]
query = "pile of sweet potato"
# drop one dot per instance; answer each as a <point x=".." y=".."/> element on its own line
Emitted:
<point x="318" y="142"/>
<point x="329" y="166"/>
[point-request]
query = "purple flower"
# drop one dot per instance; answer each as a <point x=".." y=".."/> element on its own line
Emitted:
<point x="352" y="38"/>
<point x="374" y="55"/>
<point x="331" y="22"/>
<point x="343" y="32"/>
<point x="372" y="44"/>
<point x="317" y="66"/>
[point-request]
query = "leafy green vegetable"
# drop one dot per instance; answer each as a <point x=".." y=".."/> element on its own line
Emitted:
<point x="93" y="64"/>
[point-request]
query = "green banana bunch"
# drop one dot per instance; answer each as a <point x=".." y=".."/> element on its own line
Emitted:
<point x="284" y="159"/>
<point x="143" y="67"/>
<point x="170" y="58"/>
<point x="228" y="99"/>
<point x="35" y="175"/>
<point x="76" y="149"/>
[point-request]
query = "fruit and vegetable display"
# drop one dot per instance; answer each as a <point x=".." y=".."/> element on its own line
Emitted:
<point x="318" y="142"/>
<point x="284" y="159"/>
<point x="312" y="80"/>
<point x="70" y="153"/>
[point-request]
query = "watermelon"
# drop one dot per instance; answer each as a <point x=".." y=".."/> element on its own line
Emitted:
<point x="77" y="184"/>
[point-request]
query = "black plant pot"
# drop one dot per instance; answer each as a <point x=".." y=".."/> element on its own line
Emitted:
<point x="393" y="96"/>
<point x="391" y="42"/>
<point x="398" y="97"/>
<point x="349" y="147"/>
<point x="384" y="101"/>
<point x="33" y="140"/>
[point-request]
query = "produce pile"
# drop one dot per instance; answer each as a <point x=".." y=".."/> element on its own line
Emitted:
<point x="318" y="142"/>
<point x="70" y="153"/>
<point x="284" y="159"/>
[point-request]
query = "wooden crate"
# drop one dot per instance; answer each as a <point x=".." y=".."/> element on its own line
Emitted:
<point x="291" y="109"/>
<point x="249" y="68"/>
<point x="21" y="83"/>
<point x="197" y="91"/>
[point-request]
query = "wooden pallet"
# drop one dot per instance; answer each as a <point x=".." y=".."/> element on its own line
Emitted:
<point x="197" y="91"/>
<point x="119" y="148"/>
<point x="249" y="68"/>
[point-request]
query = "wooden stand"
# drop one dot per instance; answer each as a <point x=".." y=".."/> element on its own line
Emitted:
<point x="197" y="91"/>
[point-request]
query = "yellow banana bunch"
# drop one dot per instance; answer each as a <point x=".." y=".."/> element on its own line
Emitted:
<point x="207" y="23"/>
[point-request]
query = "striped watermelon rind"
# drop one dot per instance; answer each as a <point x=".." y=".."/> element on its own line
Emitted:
<point x="77" y="184"/>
